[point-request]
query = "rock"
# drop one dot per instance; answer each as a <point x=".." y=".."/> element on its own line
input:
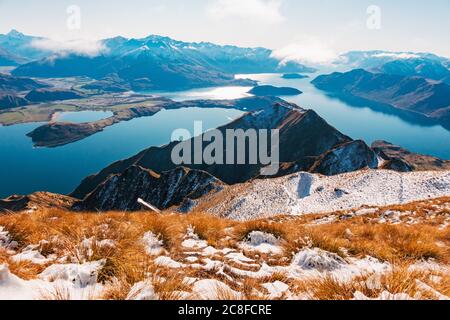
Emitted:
<point x="351" y="156"/>
<point x="122" y="191"/>
<point x="398" y="165"/>
<point x="402" y="160"/>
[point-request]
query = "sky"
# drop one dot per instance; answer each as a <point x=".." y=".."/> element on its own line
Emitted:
<point x="300" y="29"/>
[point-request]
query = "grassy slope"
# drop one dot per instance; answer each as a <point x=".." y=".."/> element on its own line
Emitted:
<point x="421" y="234"/>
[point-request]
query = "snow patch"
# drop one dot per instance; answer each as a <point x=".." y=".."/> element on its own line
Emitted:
<point x="168" y="262"/>
<point x="192" y="240"/>
<point x="153" y="244"/>
<point x="5" y="240"/>
<point x="142" y="291"/>
<point x="305" y="193"/>
<point x="276" y="289"/>
<point x="32" y="255"/>
<point x="262" y="242"/>
<point x="384" y="296"/>
<point x="80" y="275"/>
<point x="317" y="259"/>
<point x="14" y="288"/>
<point x="213" y="290"/>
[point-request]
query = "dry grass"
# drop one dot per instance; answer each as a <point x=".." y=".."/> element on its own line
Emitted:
<point x="399" y="281"/>
<point x="127" y="263"/>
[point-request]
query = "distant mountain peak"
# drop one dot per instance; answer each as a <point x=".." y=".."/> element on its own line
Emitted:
<point x="15" y="34"/>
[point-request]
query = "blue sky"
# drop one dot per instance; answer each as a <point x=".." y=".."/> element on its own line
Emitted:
<point x="318" y="28"/>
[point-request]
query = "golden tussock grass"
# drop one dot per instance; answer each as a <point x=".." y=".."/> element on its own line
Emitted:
<point x="62" y="233"/>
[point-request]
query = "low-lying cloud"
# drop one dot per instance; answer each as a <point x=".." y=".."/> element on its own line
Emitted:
<point x="393" y="55"/>
<point x="89" y="48"/>
<point x="266" y="11"/>
<point x="308" y="50"/>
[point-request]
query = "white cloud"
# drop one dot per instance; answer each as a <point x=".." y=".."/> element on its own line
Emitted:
<point x="403" y="55"/>
<point x="267" y="11"/>
<point x="77" y="46"/>
<point x="307" y="50"/>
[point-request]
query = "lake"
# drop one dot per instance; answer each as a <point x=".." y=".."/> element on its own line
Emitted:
<point x="25" y="169"/>
<point x="356" y="121"/>
<point x="362" y="122"/>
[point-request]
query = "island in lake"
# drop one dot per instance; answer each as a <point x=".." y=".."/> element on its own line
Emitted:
<point x="291" y="76"/>
<point x="274" y="91"/>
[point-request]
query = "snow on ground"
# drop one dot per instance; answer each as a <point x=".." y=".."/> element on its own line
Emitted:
<point x="80" y="275"/>
<point x="262" y="242"/>
<point x="317" y="259"/>
<point x="153" y="245"/>
<point x="384" y="296"/>
<point x="276" y="289"/>
<point x="304" y="193"/>
<point x="213" y="290"/>
<point x="192" y="240"/>
<point x="31" y="254"/>
<point x="72" y="283"/>
<point x="141" y="291"/>
<point x="5" y="240"/>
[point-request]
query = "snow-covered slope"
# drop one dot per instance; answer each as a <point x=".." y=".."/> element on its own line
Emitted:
<point x="305" y="193"/>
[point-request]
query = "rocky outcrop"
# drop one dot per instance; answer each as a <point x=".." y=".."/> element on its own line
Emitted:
<point x="35" y="201"/>
<point x="348" y="157"/>
<point x="122" y="191"/>
<point x="397" y="164"/>
<point x="399" y="159"/>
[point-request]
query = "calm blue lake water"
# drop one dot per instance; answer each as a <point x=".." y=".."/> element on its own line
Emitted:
<point x="361" y="122"/>
<point x="358" y="122"/>
<point x="83" y="116"/>
<point x="25" y="169"/>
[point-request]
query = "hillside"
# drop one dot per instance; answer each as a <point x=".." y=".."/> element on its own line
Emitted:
<point x="412" y="94"/>
<point x="379" y="253"/>
<point x="11" y="84"/>
<point x="305" y="193"/>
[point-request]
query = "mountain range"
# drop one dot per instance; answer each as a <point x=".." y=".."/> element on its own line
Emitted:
<point x="17" y="48"/>
<point x="426" y="65"/>
<point x="151" y="63"/>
